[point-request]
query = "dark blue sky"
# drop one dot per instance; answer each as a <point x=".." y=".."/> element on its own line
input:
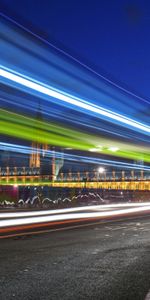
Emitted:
<point x="111" y="36"/>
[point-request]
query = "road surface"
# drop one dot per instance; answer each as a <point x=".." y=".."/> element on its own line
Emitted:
<point x="107" y="261"/>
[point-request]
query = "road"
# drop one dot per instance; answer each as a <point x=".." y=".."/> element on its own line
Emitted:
<point x="32" y="222"/>
<point x="106" y="261"/>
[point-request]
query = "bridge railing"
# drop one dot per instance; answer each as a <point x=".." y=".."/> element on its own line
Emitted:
<point x="33" y="175"/>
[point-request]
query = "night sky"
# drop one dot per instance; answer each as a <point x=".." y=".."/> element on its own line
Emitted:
<point x="110" y="36"/>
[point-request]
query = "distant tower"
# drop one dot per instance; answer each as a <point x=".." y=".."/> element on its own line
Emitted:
<point x="38" y="151"/>
<point x="53" y="165"/>
<point x="35" y="156"/>
<point x="36" y="148"/>
<point x="57" y="163"/>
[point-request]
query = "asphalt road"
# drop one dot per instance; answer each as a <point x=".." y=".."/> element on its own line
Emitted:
<point x="107" y="261"/>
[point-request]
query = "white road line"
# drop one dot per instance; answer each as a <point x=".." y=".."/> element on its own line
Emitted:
<point x="148" y="296"/>
<point x="118" y="228"/>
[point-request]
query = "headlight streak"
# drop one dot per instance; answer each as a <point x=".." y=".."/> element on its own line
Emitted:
<point x="72" y="216"/>
<point x="76" y="102"/>
<point x="70" y="210"/>
<point x="72" y="157"/>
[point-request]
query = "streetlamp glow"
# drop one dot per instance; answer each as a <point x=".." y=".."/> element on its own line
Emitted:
<point x="101" y="170"/>
<point x="15" y="185"/>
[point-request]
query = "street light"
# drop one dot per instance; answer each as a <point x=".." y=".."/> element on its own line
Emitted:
<point x="15" y="185"/>
<point x="101" y="170"/>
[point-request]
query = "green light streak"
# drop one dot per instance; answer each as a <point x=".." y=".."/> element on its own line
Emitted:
<point x="31" y="129"/>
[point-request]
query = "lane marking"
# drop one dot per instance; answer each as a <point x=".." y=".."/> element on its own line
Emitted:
<point x="118" y="228"/>
<point x="147" y="296"/>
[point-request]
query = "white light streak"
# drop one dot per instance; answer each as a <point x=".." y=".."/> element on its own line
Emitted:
<point x="93" y="160"/>
<point x="71" y="210"/>
<point x="49" y="91"/>
<point x="72" y="216"/>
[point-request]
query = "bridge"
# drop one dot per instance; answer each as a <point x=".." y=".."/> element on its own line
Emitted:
<point x="122" y="180"/>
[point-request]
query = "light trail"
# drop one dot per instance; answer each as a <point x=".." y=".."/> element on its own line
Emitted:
<point x="72" y="216"/>
<point x="71" y="157"/>
<point x="73" y="58"/>
<point x="73" y="121"/>
<point x="76" y="102"/>
<point x="70" y="210"/>
<point x="50" y="133"/>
